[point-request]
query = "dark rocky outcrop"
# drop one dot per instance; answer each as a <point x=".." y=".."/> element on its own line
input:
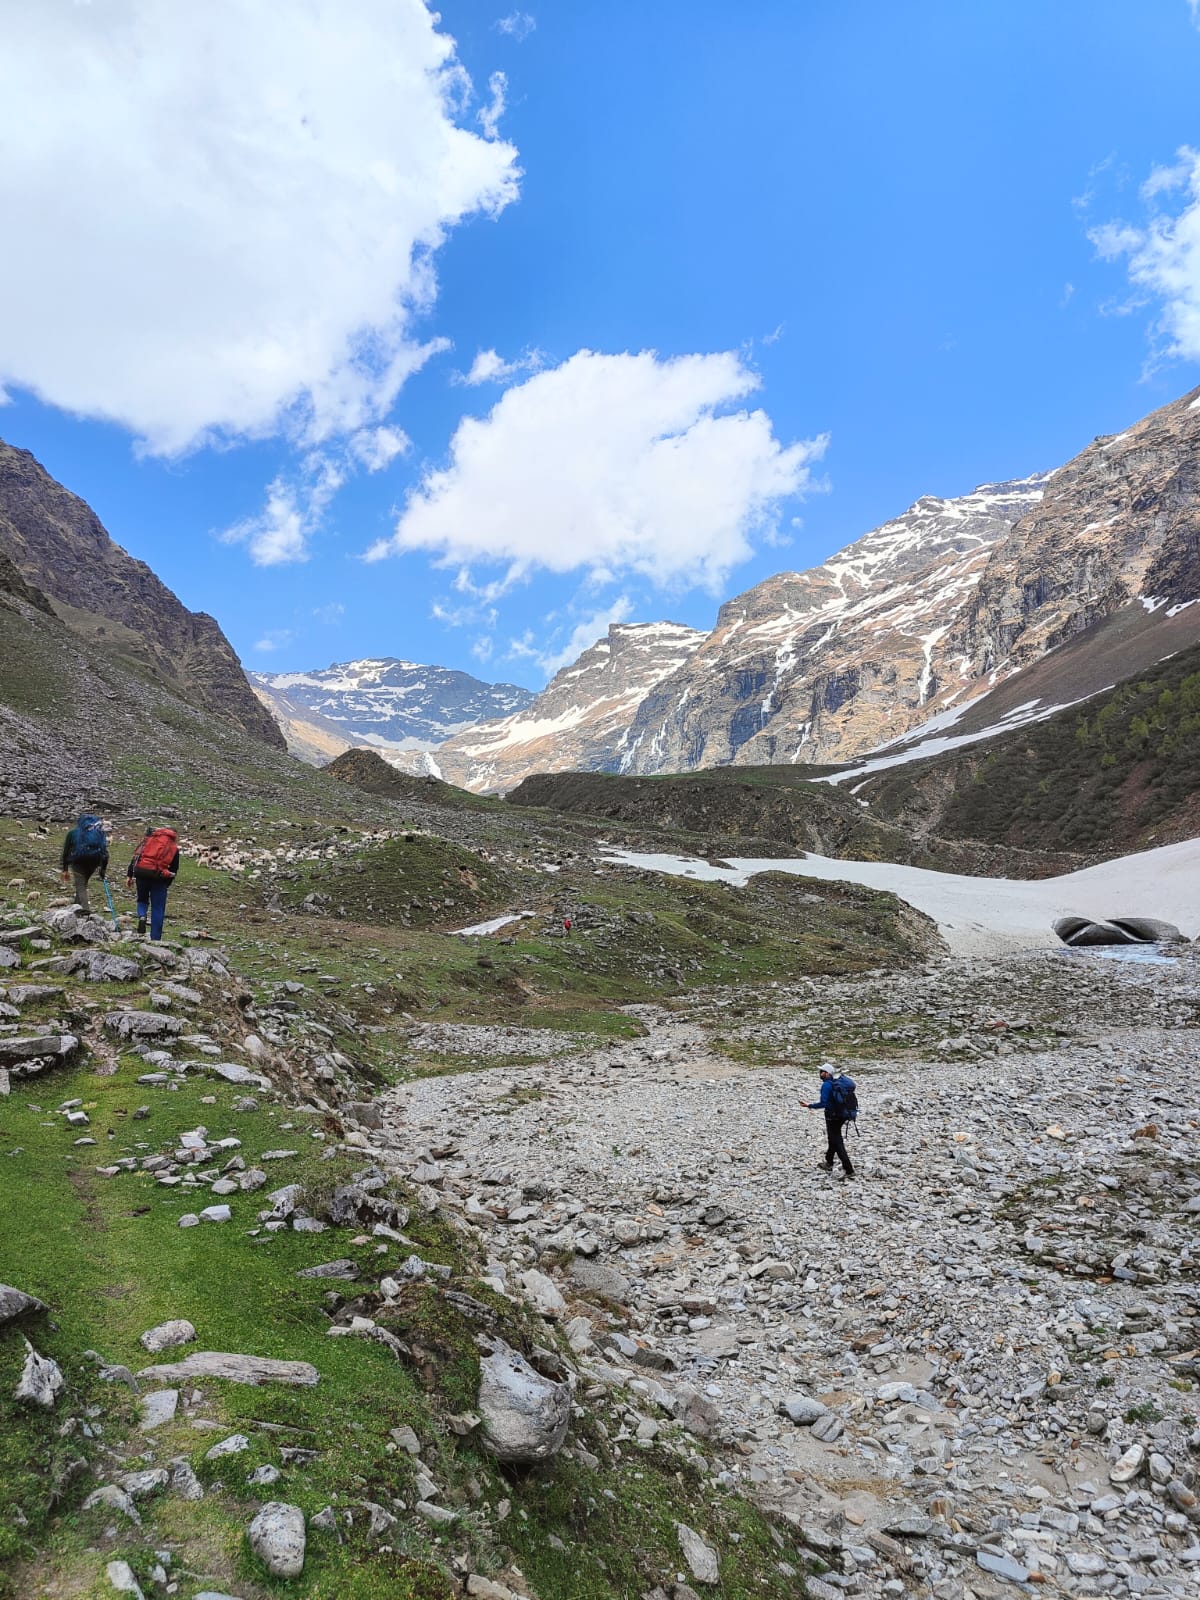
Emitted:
<point x="368" y="771"/>
<point x="61" y="551"/>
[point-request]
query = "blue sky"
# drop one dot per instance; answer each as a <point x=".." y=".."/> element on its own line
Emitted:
<point x="755" y="277"/>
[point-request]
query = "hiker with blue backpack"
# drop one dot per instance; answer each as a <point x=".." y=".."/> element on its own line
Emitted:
<point x="84" y="853"/>
<point x="839" y="1102"/>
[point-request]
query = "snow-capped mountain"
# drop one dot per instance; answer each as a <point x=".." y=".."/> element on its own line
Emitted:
<point x="983" y="611"/>
<point x="392" y="705"/>
<point x="580" y="716"/>
<point x="809" y="666"/>
<point x="1044" y="589"/>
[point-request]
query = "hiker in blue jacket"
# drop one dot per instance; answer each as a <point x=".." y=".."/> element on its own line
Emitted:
<point x="835" y="1120"/>
<point x="84" y="852"/>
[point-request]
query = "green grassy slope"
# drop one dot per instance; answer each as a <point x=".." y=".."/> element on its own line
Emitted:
<point x="1119" y="773"/>
<point x="766" y="811"/>
<point x="105" y="1252"/>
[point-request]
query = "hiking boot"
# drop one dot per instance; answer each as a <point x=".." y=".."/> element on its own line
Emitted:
<point x="847" y="1174"/>
<point x="141" y="926"/>
<point x="825" y="1166"/>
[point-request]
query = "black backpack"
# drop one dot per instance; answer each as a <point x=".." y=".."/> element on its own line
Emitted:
<point x="843" y="1101"/>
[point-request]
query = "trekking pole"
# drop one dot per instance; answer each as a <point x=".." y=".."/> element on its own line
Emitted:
<point x="112" y="910"/>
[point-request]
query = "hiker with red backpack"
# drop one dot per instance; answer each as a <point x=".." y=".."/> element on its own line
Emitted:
<point x="153" y="868"/>
<point x="84" y="852"/>
<point x="839" y="1102"/>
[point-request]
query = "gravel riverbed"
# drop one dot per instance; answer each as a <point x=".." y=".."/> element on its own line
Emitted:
<point x="972" y="1370"/>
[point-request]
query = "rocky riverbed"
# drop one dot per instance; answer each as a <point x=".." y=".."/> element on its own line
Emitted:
<point x="972" y="1370"/>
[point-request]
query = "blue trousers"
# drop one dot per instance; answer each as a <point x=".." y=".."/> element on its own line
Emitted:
<point x="152" y="901"/>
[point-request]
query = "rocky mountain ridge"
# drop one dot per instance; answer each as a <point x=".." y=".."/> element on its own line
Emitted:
<point x="581" y="715"/>
<point x="912" y="621"/>
<point x="60" y="548"/>
<point x="391" y="705"/>
<point x="955" y="604"/>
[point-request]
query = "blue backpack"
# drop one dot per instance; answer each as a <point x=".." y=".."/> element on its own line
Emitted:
<point x="843" y="1101"/>
<point x="91" y="842"/>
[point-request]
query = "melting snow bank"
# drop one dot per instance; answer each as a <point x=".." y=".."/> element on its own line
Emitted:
<point x="478" y="929"/>
<point x="905" y="751"/>
<point x="983" y="916"/>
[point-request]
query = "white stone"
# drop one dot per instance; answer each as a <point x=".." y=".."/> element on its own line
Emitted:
<point x="700" y="1557"/>
<point x="233" y="1446"/>
<point x="1130" y="1464"/>
<point x="158" y="1408"/>
<point x="544" y="1293"/>
<point x="277" y="1538"/>
<point x="121" y="1578"/>
<point x="41" y="1380"/>
<point x="167" y="1334"/>
<point x="235" y="1368"/>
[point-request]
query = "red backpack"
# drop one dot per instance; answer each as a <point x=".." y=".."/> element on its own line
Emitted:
<point x="156" y="853"/>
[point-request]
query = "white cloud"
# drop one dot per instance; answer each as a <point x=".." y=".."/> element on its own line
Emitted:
<point x="489" y="115"/>
<point x="520" y="24"/>
<point x="376" y="448"/>
<point x="228" y="210"/>
<point x="1163" y="255"/>
<point x="612" y="463"/>
<point x="293" y="512"/>
<point x="331" y="613"/>
<point x="483" y="647"/>
<point x="488" y="367"/>
<point x="553" y="654"/>
<point x="275" y="639"/>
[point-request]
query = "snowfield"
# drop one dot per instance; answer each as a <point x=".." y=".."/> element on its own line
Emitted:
<point x="988" y="916"/>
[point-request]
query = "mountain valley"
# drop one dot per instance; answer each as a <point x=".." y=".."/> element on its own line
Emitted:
<point x="471" y="1130"/>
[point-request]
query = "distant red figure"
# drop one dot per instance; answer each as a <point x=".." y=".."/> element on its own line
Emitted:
<point x="567" y="926"/>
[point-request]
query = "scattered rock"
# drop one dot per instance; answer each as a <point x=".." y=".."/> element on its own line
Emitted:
<point x="121" y="1578"/>
<point x="233" y="1368"/>
<point x="525" y="1416"/>
<point x="277" y="1538"/>
<point x="167" y="1334"/>
<point x="157" y="1408"/>
<point x="41" y="1380"/>
<point x="112" y="1498"/>
<point x="701" y="1558"/>
<point x="16" y="1303"/>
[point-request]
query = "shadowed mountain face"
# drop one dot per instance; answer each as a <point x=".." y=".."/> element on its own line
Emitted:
<point x="58" y="545"/>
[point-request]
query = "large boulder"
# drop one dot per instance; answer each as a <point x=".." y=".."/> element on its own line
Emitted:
<point x="167" y="1334"/>
<point x="99" y="966"/>
<point x="38" y="1047"/>
<point x="16" y="1303"/>
<point x="1078" y="932"/>
<point x="277" y="1537"/>
<point x="67" y="922"/>
<point x="525" y="1416"/>
<point x="143" y="1025"/>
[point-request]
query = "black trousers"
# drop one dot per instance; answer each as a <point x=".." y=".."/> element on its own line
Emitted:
<point x="835" y="1146"/>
